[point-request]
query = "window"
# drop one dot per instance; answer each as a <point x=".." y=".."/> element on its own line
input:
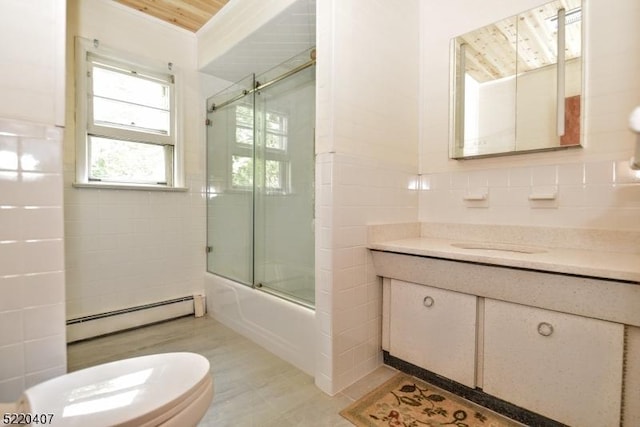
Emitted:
<point x="126" y="123"/>
<point x="276" y="132"/>
<point x="275" y="169"/>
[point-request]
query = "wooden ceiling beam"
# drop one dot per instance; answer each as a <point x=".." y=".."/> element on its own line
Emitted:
<point x="188" y="7"/>
<point x="188" y="14"/>
<point x="209" y="6"/>
<point x="161" y="11"/>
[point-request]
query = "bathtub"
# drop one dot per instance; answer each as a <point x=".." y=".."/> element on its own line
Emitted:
<point x="282" y="327"/>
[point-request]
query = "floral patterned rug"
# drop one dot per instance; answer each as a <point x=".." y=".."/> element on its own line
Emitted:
<point x="406" y="401"/>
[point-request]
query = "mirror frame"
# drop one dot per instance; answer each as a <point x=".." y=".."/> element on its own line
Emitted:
<point x="454" y="62"/>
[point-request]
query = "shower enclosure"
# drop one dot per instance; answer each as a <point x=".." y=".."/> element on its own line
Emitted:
<point x="260" y="181"/>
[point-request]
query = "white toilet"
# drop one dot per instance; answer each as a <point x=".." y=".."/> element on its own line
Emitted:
<point x="169" y="389"/>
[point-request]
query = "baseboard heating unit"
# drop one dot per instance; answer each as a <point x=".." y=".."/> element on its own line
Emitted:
<point x="82" y="328"/>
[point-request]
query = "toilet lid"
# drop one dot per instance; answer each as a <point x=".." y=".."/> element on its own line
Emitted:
<point x="119" y="392"/>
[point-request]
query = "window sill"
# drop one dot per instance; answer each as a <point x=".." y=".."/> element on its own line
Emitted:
<point x="139" y="187"/>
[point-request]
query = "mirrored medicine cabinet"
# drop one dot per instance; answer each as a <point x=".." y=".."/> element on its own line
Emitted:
<point x="517" y="84"/>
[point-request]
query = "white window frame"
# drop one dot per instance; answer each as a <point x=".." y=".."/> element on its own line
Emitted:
<point x="91" y="50"/>
<point x="279" y="155"/>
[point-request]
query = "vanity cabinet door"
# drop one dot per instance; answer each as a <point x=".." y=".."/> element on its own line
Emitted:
<point x="565" y="367"/>
<point x="434" y="329"/>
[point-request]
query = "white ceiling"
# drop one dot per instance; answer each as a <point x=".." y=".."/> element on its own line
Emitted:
<point x="291" y="32"/>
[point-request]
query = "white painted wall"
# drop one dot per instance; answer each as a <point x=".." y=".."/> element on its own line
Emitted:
<point x="32" y="64"/>
<point x="124" y="247"/>
<point x="368" y="81"/>
<point x="594" y="184"/>
<point x="236" y="21"/>
<point x="32" y="335"/>
<point x="497" y="115"/>
<point x="517" y="112"/>
<point x="536" y="104"/>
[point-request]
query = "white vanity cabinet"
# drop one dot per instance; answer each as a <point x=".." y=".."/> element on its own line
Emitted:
<point x="434" y="329"/>
<point x="563" y="366"/>
<point x="558" y="328"/>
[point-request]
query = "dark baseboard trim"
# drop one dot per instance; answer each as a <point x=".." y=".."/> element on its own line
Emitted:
<point x="475" y="395"/>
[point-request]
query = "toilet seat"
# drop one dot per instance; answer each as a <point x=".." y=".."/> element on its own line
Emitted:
<point x="161" y="389"/>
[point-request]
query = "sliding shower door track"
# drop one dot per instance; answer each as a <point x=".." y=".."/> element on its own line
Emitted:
<point x="261" y="86"/>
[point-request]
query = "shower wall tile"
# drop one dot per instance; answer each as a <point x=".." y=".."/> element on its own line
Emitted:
<point x="497" y="178"/>
<point x="42" y="321"/>
<point x="11" y="289"/>
<point x="573" y="196"/>
<point x="40" y="189"/>
<point x="43" y="289"/>
<point x="599" y="173"/>
<point x="546" y="175"/>
<point x="42" y="222"/>
<point x="571" y="174"/>
<point x="12" y="366"/>
<point x="9" y="388"/>
<point x="44" y="353"/>
<point x="520" y="177"/>
<point x="324" y="270"/>
<point x="624" y="175"/>
<point x="31" y="255"/>
<point x="40" y="376"/>
<point x="9" y="333"/>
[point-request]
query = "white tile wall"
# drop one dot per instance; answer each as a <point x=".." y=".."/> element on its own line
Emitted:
<point x="603" y="194"/>
<point x="353" y="192"/>
<point x="123" y="247"/>
<point x="32" y="334"/>
<point x="367" y="145"/>
<point x="594" y="186"/>
<point x="324" y="271"/>
<point x="127" y="248"/>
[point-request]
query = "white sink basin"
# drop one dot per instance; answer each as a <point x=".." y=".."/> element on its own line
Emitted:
<point x="499" y="247"/>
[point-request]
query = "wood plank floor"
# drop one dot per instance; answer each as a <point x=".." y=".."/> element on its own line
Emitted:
<point x="253" y="387"/>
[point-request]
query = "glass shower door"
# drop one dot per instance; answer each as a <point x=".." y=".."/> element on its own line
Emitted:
<point x="230" y="170"/>
<point x="260" y="181"/>
<point x="284" y="184"/>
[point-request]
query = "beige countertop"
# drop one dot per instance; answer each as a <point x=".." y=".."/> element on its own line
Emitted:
<point x="584" y="262"/>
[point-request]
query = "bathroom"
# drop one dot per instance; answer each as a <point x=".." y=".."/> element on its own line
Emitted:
<point x="382" y="156"/>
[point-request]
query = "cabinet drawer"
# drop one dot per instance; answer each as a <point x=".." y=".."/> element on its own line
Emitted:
<point x="566" y="367"/>
<point x="434" y="329"/>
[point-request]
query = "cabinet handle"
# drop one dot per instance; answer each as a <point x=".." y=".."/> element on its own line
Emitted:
<point x="545" y="329"/>
<point x="428" y="301"/>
